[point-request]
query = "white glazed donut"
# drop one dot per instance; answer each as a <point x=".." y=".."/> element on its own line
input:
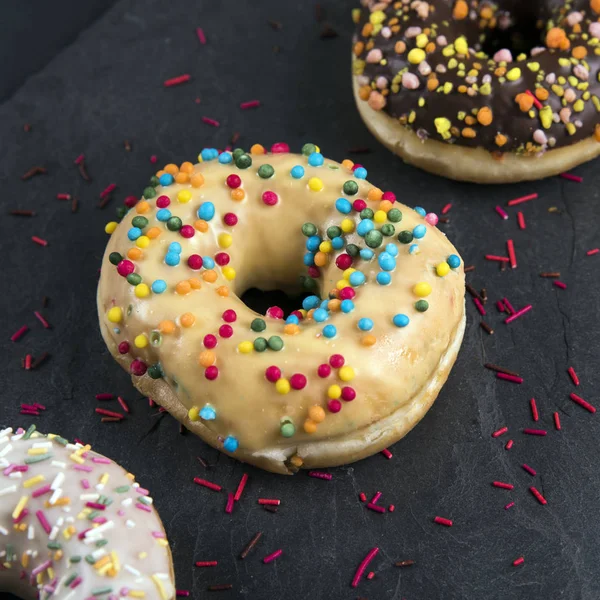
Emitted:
<point x="350" y="373"/>
<point x="74" y="525"/>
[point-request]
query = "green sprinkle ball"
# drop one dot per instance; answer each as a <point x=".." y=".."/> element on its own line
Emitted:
<point x="115" y="258"/>
<point x="149" y="192"/>
<point x="266" y="171"/>
<point x="174" y="224"/>
<point x="287" y="429"/>
<point x="258" y="325"/>
<point x="243" y="162"/>
<point x="394" y="215"/>
<point x="406" y="236"/>
<point x="260" y="344"/>
<point x="334" y="231"/>
<point x="155" y="371"/>
<point x="134" y="279"/>
<point x="421" y="305"/>
<point x="121" y="212"/>
<point x="309" y="229"/>
<point x="353" y="250"/>
<point x="388" y="229"/>
<point x="374" y="238"/>
<point x="140" y="222"/>
<point x="308" y="149"/>
<point x="350" y="188"/>
<point x="275" y="343"/>
<point x="154" y="181"/>
<point x="367" y="213"/>
<point x="237" y="153"/>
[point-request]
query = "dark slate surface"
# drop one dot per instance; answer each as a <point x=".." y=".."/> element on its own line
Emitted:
<point x="106" y="87"/>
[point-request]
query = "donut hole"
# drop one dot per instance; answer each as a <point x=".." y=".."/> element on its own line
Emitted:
<point x="260" y="300"/>
<point x="519" y="31"/>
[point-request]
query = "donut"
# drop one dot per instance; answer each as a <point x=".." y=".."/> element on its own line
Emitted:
<point x="75" y="525"/>
<point x="436" y="84"/>
<point x="351" y="370"/>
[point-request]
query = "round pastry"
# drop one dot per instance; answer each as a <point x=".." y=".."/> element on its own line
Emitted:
<point x="456" y="88"/>
<point x="352" y="370"/>
<point x="74" y="525"/>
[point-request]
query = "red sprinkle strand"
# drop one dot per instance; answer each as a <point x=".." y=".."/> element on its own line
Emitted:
<point x="507" y="377"/>
<point x="534" y="411"/>
<point x="521" y="220"/>
<point x="123" y="404"/>
<point x="501" y="212"/>
<point x="592" y="251"/>
<point x="104" y="396"/>
<point x="210" y="121"/>
<point x="538" y="496"/>
<point x="250" y="104"/>
<point x="531" y="471"/>
<point x="479" y="306"/>
<point x="375" y="498"/>
<point x="509" y="445"/>
<point x="510" y="247"/>
<point x="41" y="319"/>
<point x="376" y="507"/>
<point x="509" y="306"/>
<point x="362" y="497"/>
<point x="522" y="199"/>
<point x="229" y="505"/>
<point x="109" y="413"/>
<point x="320" y="475"/>
<point x="208" y="484"/>
<point x="362" y="567"/>
<point x="17" y="335"/>
<point x="518" y="561"/>
<point x="518" y="314"/>
<point x="182" y="593"/>
<point x="79" y="159"/>
<point x="272" y="557"/>
<point x="240" y="487"/>
<point x="269" y="501"/>
<point x="500" y="432"/>
<point x="387" y="453"/>
<point x="560" y="284"/>
<point x="573" y="375"/>
<point x="579" y="400"/>
<point x="540" y="432"/>
<point x="557" y="421"/>
<point x="107" y="190"/>
<point x="497" y="258"/>
<point x="443" y="521"/>
<point x="509" y="505"/>
<point x="39" y="240"/>
<point x="536" y="102"/>
<point x="570" y="177"/>
<point x="177" y="80"/>
<point x="207" y="563"/>
<point x="446" y="208"/>
<point x="504" y="486"/>
<point x="200" y="34"/>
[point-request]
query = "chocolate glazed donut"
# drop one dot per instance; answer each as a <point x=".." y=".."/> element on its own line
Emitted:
<point x="481" y="91"/>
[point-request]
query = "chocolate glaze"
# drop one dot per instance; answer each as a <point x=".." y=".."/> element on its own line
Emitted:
<point x="517" y="127"/>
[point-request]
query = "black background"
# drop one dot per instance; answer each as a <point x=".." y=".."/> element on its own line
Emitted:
<point x="105" y="86"/>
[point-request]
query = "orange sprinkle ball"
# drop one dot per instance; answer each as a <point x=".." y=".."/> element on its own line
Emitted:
<point x="209" y="276"/>
<point x="310" y="426"/>
<point x="291" y="329"/>
<point x="187" y="167"/>
<point x="257" y="149"/>
<point x="166" y="327"/>
<point x="182" y="177"/>
<point x="187" y="319"/>
<point x="195" y="284"/>
<point x="223" y="291"/>
<point x="134" y="253"/>
<point x="183" y="288"/>
<point x="142" y="207"/>
<point x="197" y="180"/>
<point x="153" y="233"/>
<point x="316" y="414"/>
<point x="374" y="194"/>
<point x="238" y="194"/>
<point x="207" y="358"/>
<point x="368" y="340"/>
<point x="201" y="226"/>
<point x="347" y="163"/>
<point x="171" y="169"/>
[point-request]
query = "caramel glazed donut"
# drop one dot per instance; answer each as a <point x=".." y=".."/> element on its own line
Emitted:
<point x="335" y="381"/>
<point x="74" y="525"/>
<point x="429" y="93"/>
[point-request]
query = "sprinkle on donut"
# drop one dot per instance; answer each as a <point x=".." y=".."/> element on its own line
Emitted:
<point x="422" y="63"/>
<point x="178" y="262"/>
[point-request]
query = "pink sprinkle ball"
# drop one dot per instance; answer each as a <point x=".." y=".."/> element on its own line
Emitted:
<point x="336" y="361"/>
<point x="131" y="201"/>
<point x="359" y="205"/>
<point x="314" y="272"/>
<point x="138" y="367"/>
<point x="356" y="166"/>
<point x="230" y="219"/>
<point x="211" y="373"/>
<point x="334" y="406"/>
<point x="229" y="316"/>
<point x="163" y="201"/>
<point x="210" y="341"/>
<point x="389" y="196"/>
<point x="298" y="314"/>
<point x="234" y="181"/>
<point x="222" y="258"/>
<point x="275" y="312"/>
<point x="270" y="198"/>
<point x="432" y="219"/>
<point x="347" y="293"/>
<point x="324" y="370"/>
<point x="187" y="231"/>
<point x="343" y="261"/>
<point x="272" y="373"/>
<point x="123" y="347"/>
<point x="348" y="393"/>
<point x="280" y="148"/>
<point x="297" y="381"/>
<point x="226" y="331"/>
<point x="125" y="267"/>
<point x="194" y="261"/>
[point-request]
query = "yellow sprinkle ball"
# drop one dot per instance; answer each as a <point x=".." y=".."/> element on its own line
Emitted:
<point x="225" y="240"/>
<point x="110" y="227"/>
<point x="380" y="217"/>
<point x="115" y="314"/>
<point x="422" y="289"/>
<point x="334" y="391"/>
<point x="443" y="269"/>
<point x="142" y="290"/>
<point x="140" y="341"/>
<point x="341" y="284"/>
<point x="282" y="386"/>
<point x="325" y="246"/>
<point x="315" y="184"/>
<point x="245" y="347"/>
<point x="416" y="56"/>
<point x="348" y="272"/>
<point x="347" y="226"/>
<point x="194" y="414"/>
<point x="143" y="241"/>
<point x="228" y="273"/>
<point x="184" y="196"/>
<point x="346" y="373"/>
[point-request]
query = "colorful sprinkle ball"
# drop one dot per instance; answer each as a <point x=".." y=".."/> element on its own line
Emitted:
<point x="365" y="234"/>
